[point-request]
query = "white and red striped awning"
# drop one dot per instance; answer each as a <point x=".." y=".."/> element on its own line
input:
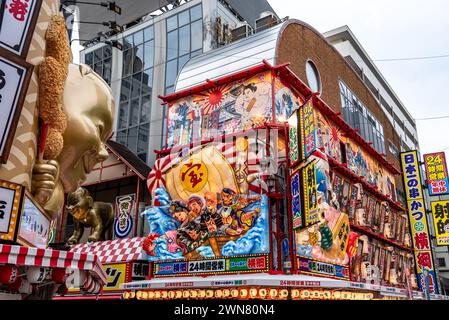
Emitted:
<point x="113" y="251"/>
<point x="27" y="256"/>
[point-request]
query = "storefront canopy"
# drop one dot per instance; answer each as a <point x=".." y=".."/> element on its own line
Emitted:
<point x="34" y="257"/>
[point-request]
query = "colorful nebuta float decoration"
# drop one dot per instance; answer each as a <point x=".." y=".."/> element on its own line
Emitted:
<point x="89" y="214"/>
<point x="199" y="208"/>
<point x="76" y="110"/>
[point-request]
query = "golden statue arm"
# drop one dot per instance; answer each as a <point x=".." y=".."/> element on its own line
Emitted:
<point x="98" y="223"/>
<point x="77" y="233"/>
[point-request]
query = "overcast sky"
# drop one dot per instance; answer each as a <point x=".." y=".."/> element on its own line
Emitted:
<point x="390" y="29"/>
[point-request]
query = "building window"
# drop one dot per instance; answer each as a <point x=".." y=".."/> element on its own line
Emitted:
<point x="393" y="149"/>
<point x="359" y="117"/>
<point x="313" y="76"/>
<point x="100" y="60"/>
<point x="441" y="262"/>
<point x="136" y="89"/>
<point x="184" y="41"/>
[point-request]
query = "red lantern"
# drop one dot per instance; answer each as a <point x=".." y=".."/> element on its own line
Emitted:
<point x="8" y="274"/>
<point x="59" y="275"/>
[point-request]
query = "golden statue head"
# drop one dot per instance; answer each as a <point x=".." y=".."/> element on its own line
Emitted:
<point x="89" y="107"/>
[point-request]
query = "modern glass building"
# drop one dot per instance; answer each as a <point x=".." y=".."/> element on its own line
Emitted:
<point x="155" y="48"/>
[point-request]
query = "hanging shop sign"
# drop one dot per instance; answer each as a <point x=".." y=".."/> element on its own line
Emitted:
<point x="308" y="129"/>
<point x="436" y="173"/>
<point x="20" y="16"/>
<point x="323" y="268"/>
<point x="418" y="219"/>
<point x="14" y="78"/>
<point x="440" y="212"/>
<point x="293" y="138"/>
<point x="124" y="209"/>
<point x="35" y="224"/>
<point x="212" y="266"/>
<point x="117" y="274"/>
<point x="11" y="203"/>
<point x="296" y="200"/>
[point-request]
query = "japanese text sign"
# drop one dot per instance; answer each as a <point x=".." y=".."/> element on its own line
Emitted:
<point x="308" y="129"/>
<point x="310" y="194"/>
<point x="417" y="215"/>
<point x="14" y="79"/>
<point x="440" y="211"/>
<point x="124" y="207"/>
<point x="293" y="139"/>
<point x="436" y="173"/>
<point x="20" y="16"/>
<point x="296" y="201"/>
<point x="11" y="198"/>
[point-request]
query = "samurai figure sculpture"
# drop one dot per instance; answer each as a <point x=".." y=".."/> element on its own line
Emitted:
<point x="87" y="213"/>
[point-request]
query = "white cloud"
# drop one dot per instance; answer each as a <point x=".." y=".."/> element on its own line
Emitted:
<point x="395" y="29"/>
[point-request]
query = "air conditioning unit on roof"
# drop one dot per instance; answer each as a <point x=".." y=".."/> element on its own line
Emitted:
<point x="241" y="32"/>
<point x="266" y="20"/>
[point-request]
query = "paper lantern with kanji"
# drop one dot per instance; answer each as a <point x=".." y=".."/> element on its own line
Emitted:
<point x="8" y="274"/>
<point x="38" y="274"/>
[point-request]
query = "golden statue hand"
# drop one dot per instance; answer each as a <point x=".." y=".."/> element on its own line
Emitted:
<point x="44" y="180"/>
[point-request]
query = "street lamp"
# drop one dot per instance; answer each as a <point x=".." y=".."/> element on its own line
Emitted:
<point x="110" y="5"/>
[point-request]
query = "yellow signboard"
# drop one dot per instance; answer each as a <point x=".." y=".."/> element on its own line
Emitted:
<point x="418" y="221"/>
<point x="440" y="212"/>
<point x="117" y="274"/>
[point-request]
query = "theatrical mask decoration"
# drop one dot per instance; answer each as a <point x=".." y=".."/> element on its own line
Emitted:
<point x="207" y="204"/>
<point x="89" y="214"/>
<point x="76" y="111"/>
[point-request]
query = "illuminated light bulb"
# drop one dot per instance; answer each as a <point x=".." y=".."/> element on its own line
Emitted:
<point x="263" y="293"/>
<point x="243" y="293"/>
<point x="171" y="294"/>
<point x="178" y="294"/>
<point x="132" y="295"/>
<point x="253" y="293"/>
<point x="185" y="293"/>
<point x="337" y="295"/>
<point x="193" y="294"/>
<point x="157" y="295"/>
<point x="126" y="295"/>
<point x="218" y="294"/>
<point x="151" y="295"/>
<point x="164" y="294"/>
<point x="273" y="293"/>
<point x="283" y="294"/>
<point x="145" y="295"/>
<point x="234" y="293"/>
<point x="296" y="294"/>
<point x="209" y="293"/>
<point x="139" y="295"/>
<point x="201" y="293"/>
<point x="226" y="293"/>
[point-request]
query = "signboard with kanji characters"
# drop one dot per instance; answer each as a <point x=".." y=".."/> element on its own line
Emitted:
<point x="211" y="266"/>
<point x="14" y="78"/>
<point x="125" y="207"/>
<point x="308" y="129"/>
<point x="436" y="173"/>
<point x="293" y="139"/>
<point x="310" y="194"/>
<point x="11" y="203"/>
<point x="319" y="267"/>
<point x="418" y="219"/>
<point x="17" y="21"/>
<point x="440" y="212"/>
<point x="296" y="200"/>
